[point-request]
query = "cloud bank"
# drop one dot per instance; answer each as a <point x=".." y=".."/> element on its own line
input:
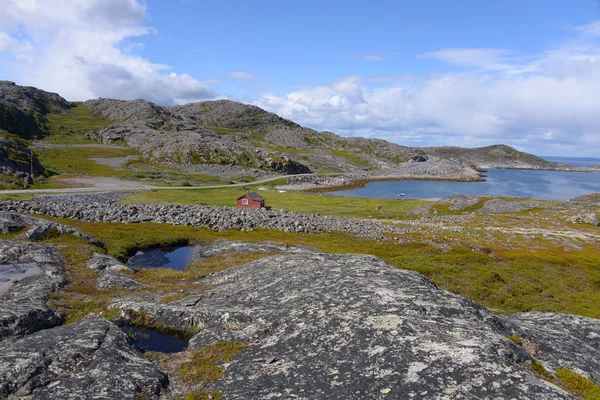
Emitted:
<point x="74" y="47"/>
<point x="547" y="103"/>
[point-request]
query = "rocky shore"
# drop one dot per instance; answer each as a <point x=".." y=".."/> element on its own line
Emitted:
<point x="431" y="168"/>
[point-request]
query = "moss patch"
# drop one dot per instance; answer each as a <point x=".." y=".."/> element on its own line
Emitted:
<point x="578" y="385"/>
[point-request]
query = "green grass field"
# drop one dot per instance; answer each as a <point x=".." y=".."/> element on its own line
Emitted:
<point x="70" y="129"/>
<point x="289" y="201"/>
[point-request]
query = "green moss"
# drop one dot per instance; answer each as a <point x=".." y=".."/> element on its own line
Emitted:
<point x="538" y="370"/>
<point x="578" y="385"/>
<point x="202" y="366"/>
<point x="515" y="339"/>
<point x="202" y="394"/>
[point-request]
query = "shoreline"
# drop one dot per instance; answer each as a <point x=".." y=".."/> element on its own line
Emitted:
<point x="328" y="184"/>
<point x="362" y="182"/>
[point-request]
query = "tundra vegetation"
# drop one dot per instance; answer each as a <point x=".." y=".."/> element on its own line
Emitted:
<point x="530" y="260"/>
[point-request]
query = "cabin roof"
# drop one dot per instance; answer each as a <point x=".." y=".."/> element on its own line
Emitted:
<point x="253" y="196"/>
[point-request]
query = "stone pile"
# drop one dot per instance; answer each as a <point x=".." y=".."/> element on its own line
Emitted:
<point x="217" y="218"/>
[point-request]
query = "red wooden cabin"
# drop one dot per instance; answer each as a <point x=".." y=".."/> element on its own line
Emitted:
<point x="250" y="200"/>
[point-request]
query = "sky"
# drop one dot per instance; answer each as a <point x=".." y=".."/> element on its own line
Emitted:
<point x="418" y="73"/>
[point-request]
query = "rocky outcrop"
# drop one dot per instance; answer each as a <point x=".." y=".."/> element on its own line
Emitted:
<point x="23" y="307"/>
<point x="23" y="109"/>
<point x="110" y="271"/>
<point x="590" y="218"/>
<point x="91" y="359"/>
<point x="353" y="327"/>
<point x="38" y="228"/>
<point x="218" y="218"/>
<point x="500" y="206"/>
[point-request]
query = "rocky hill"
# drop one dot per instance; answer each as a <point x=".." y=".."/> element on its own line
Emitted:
<point x="23" y="109"/>
<point x="244" y="138"/>
<point x="233" y="133"/>
<point x="496" y="156"/>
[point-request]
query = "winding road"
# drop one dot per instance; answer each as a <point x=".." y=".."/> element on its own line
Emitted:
<point x="103" y="184"/>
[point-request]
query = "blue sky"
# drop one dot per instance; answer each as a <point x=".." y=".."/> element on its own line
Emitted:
<point x="431" y="72"/>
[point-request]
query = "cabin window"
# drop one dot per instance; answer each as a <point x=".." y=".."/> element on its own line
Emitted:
<point x="244" y="202"/>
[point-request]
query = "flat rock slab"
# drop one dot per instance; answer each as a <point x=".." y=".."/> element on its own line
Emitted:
<point x="323" y="326"/>
<point x="91" y="359"/>
<point x="219" y="247"/>
<point x="560" y="340"/>
<point x="23" y="307"/>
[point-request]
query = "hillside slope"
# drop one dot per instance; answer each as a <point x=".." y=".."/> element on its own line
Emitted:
<point x="227" y="132"/>
<point x="212" y="136"/>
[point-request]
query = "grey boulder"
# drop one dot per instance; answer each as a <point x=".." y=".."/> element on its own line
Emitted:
<point x="23" y="307"/>
<point x="90" y="359"/>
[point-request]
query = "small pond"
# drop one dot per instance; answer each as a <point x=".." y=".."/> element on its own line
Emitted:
<point x="146" y="340"/>
<point x="9" y="273"/>
<point x="174" y="258"/>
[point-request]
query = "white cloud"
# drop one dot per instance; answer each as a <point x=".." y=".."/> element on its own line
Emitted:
<point x="591" y="29"/>
<point x="372" y="57"/>
<point x="6" y="42"/>
<point x="545" y="105"/>
<point x="78" y="51"/>
<point x="493" y="59"/>
<point x="242" y="75"/>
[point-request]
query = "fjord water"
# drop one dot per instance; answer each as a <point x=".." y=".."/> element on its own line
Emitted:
<point x="546" y="185"/>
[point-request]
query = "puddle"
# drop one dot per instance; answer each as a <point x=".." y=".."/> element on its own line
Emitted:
<point x="152" y="341"/>
<point x="177" y="258"/>
<point x="15" y="272"/>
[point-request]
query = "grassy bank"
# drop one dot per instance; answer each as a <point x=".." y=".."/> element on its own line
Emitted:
<point x="501" y="278"/>
<point x="289" y="201"/>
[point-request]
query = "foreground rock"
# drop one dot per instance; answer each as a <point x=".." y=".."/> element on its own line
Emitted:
<point x="352" y="327"/>
<point x="23" y="307"/>
<point x="91" y="359"/>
